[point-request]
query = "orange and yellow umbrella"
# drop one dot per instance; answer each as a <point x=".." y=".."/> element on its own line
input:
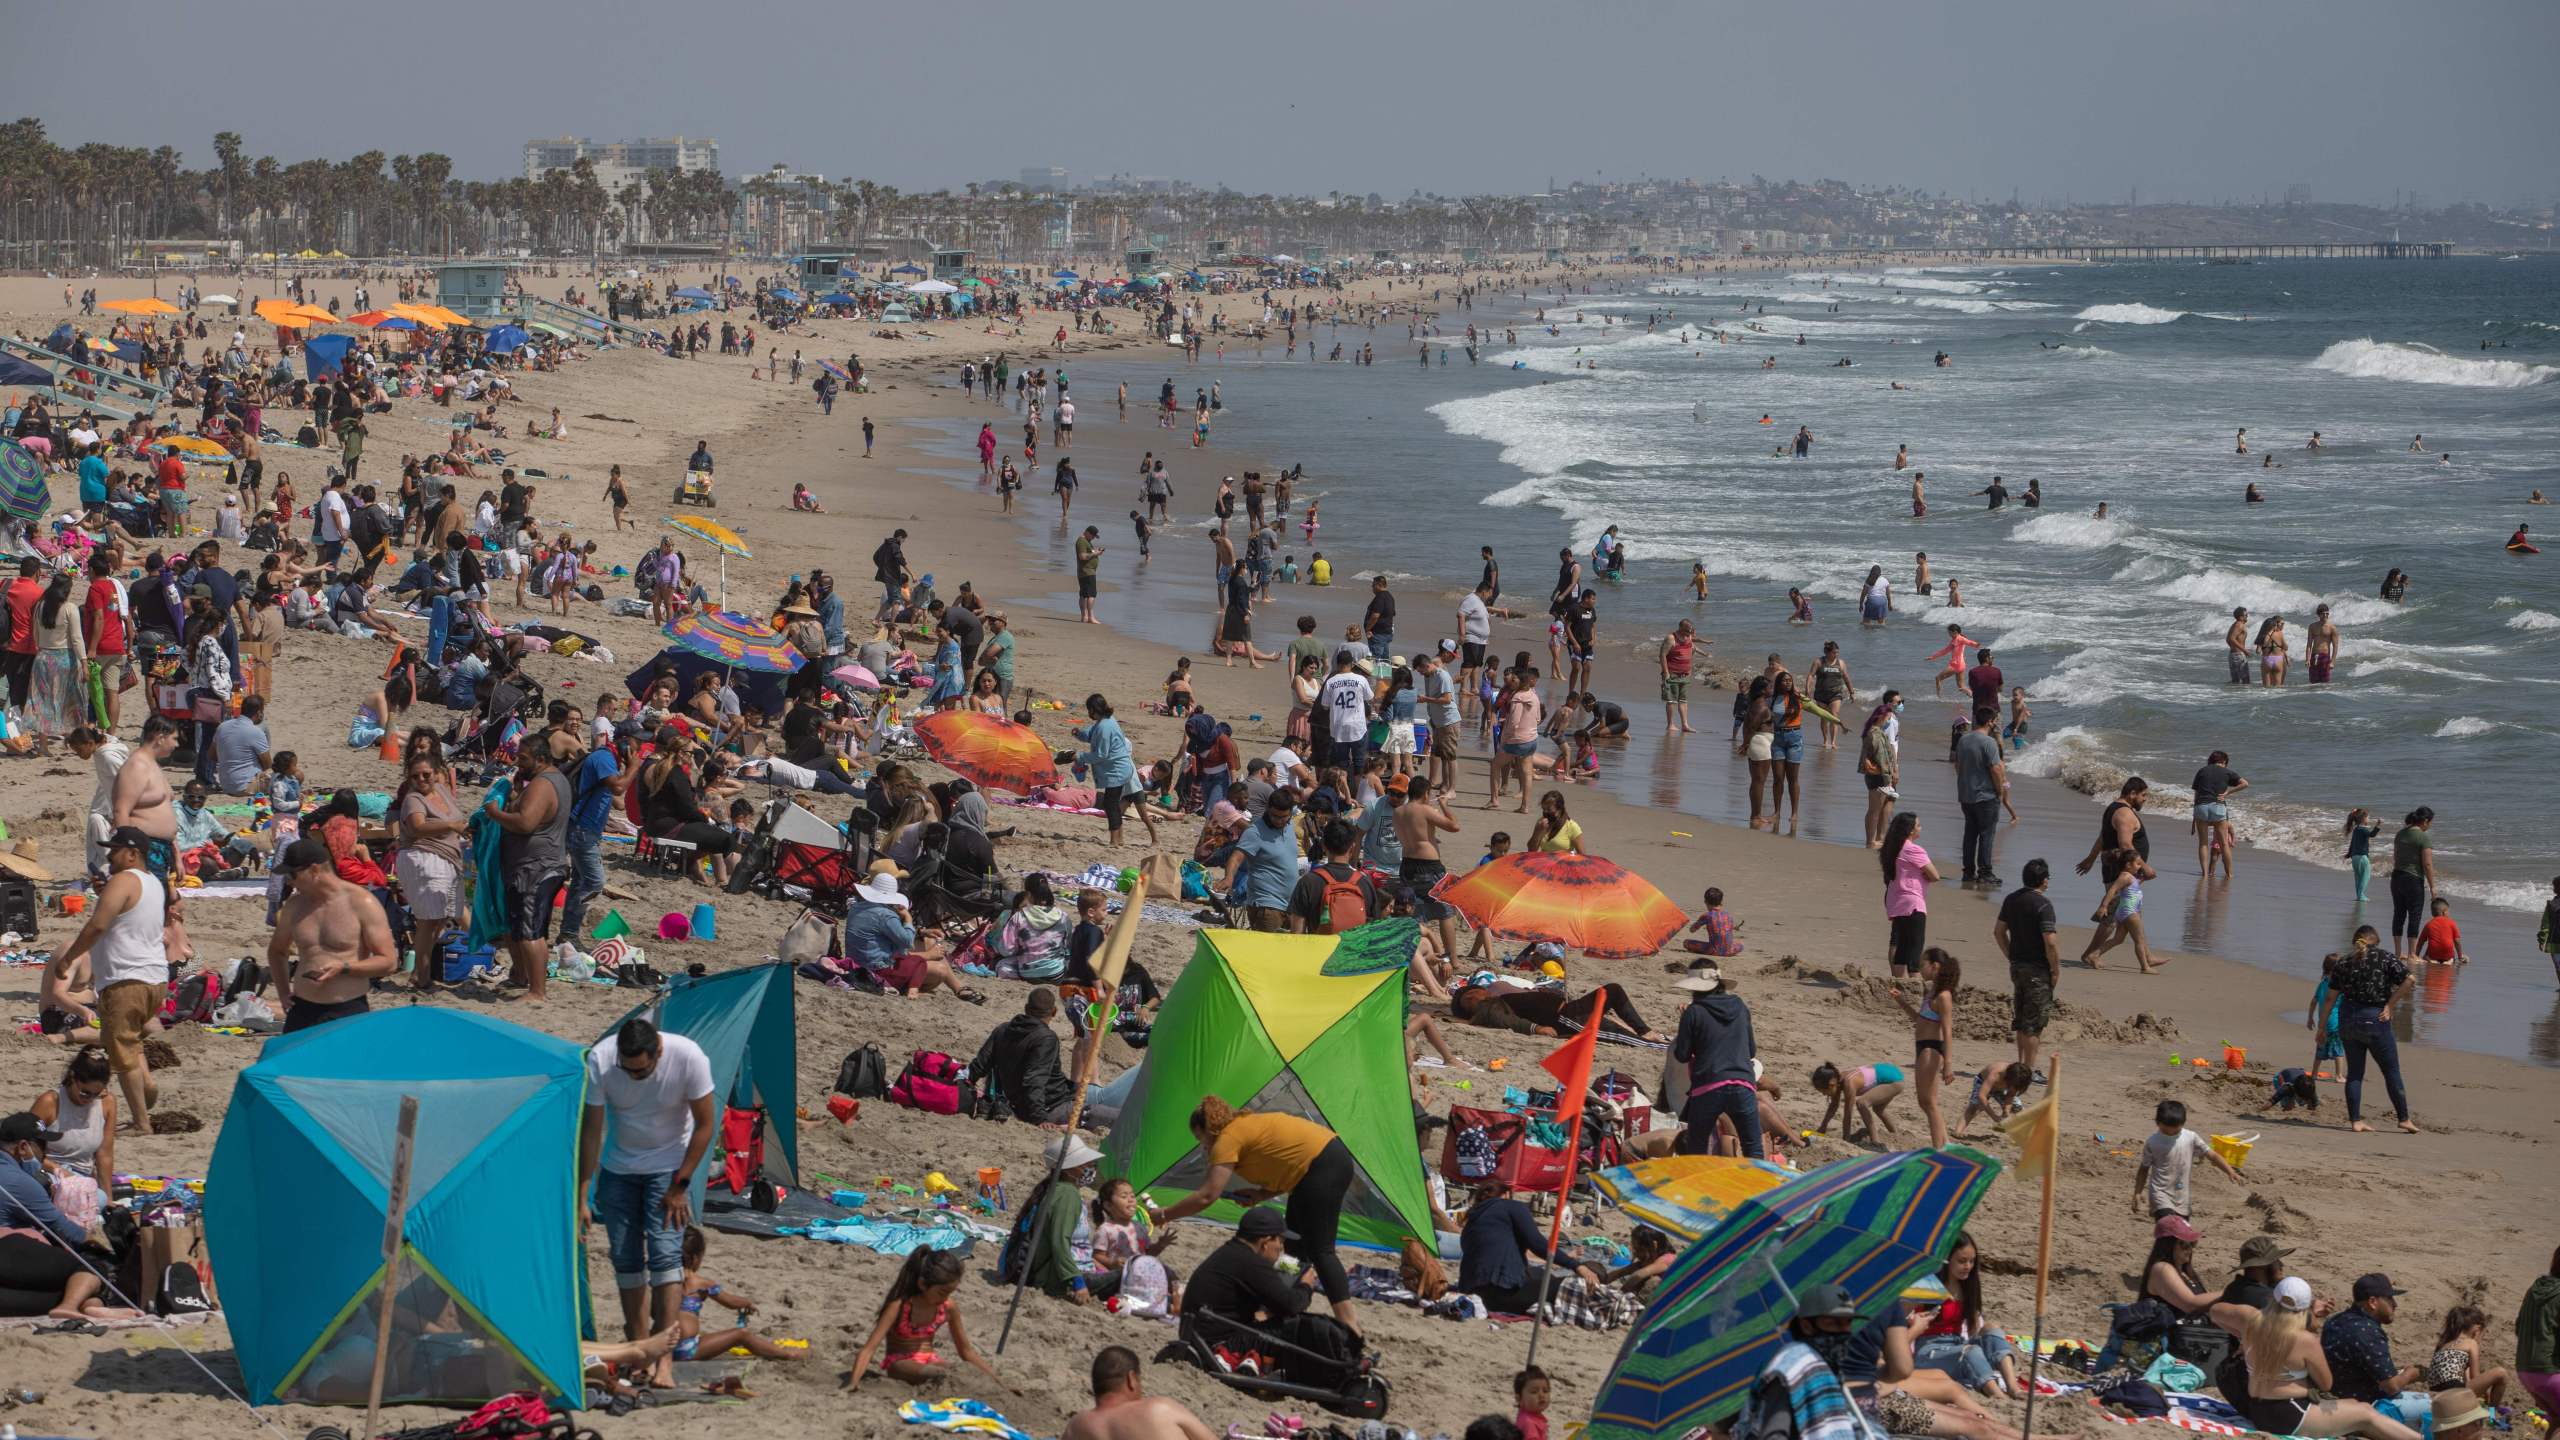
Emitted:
<point x="1581" y="902"/>
<point x="420" y="314"/>
<point x="144" y="306"/>
<point x="988" y="750"/>
<point x="285" y="314"/>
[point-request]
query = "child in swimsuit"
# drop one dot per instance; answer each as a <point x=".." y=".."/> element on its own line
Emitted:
<point x="692" y="1342"/>
<point x="1863" y="1092"/>
<point x="1997" y="1093"/>
<point x="1932" y="1027"/>
<point x="918" y="1306"/>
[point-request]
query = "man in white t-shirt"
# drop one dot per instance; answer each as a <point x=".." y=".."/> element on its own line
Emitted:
<point x="1475" y="631"/>
<point x="1288" y="768"/>
<point x="657" y="1090"/>
<point x="1343" y="707"/>
<point x="329" y="532"/>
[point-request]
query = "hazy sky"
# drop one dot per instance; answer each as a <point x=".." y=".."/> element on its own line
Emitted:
<point x="2187" y="100"/>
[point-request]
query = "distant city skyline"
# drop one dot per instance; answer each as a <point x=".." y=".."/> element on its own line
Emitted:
<point x="2356" y="100"/>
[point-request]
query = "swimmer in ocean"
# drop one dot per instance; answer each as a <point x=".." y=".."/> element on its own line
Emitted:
<point x="2252" y="496"/>
<point x="2535" y="499"/>
<point x="1919" y="500"/>
<point x="2417" y="444"/>
<point x="2268" y="461"/>
<point x="1998" y="492"/>
<point x="1920" y="572"/>
<point x="2314" y="442"/>
<point x="2102" y="511"/>
<point x="1901" y="457"/>
<point x="2240" y="443"/>
<point x="2517" y="544"/>
<point x="1955" y="594"/>
<point x="1698" y="579"/>
<point x="2034" y="498"/>
<point x="1799" y="609"/>
<point x="1958" y="646"/>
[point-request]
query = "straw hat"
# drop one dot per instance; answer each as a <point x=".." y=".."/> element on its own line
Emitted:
<point x="799" y="607"/>
<point x="20" y="860"/>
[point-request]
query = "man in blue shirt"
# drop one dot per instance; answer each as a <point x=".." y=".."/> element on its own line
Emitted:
<point x="2358" y="1351"/>
<point x="595" y="787"/>
<point x="1265" y="858"/>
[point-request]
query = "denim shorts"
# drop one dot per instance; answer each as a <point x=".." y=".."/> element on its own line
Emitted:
<point x="645" y="1250"/>
<point x="2213" y="812"/>
<point x="1787" y="746"/>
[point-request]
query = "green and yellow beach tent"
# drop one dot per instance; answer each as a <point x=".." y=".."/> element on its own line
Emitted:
<point x="1255" y="1021"/>
<point x="489" y="1275"/>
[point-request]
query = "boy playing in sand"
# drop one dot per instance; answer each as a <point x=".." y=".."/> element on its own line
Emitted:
<point x="2161" y="1182"/>
<point x="1724" y="933"/>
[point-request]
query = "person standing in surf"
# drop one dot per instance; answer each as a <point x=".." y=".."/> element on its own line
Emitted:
<point x="2235" y="645"/>
<point x="2322" y="642"/>
<point x="1876" y="597"/>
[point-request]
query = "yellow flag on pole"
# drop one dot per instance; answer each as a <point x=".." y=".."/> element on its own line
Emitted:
<point x="2038" y="1131"/>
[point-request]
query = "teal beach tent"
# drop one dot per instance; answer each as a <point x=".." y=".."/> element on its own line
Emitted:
<point x="744" y="1020"/>
<point x="490" y="1275"/>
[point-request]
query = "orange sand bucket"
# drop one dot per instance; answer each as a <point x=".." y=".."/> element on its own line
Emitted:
<point x="2235" y="1057"/>
<point x="389" y="749"/>
<point x="74" y="904"/>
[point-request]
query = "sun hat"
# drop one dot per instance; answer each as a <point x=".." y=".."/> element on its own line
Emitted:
<point x="1705" y="980"/>
<point x="2261" y="1250"/>
<point x="20" y="860"/>
<point x="2458" y="1407"/>
<point x="881" y="890"/>
<point x="1069" y="1152"/>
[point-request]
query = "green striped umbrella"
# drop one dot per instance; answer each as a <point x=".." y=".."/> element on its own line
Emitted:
<point x="1869" y="1225"/>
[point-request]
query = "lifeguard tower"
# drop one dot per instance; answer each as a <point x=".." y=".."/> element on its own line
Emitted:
<point x="476" y="289"/>
<point x="950" y="265"/>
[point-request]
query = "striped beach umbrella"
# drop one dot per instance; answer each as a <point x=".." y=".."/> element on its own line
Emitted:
<point x="22" y="488"/>
<point x="1870" y="1225"/>
<point x="734" y="640"/>
<point x="988" y="750"/>
<point x="1581" y="902"/>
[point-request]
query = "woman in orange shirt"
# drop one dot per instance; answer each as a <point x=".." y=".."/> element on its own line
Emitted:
<point x="1279" y="1155"/>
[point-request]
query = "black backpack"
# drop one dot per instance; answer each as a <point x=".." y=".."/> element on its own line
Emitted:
<point x="182" y="1292"/>
<point x="864" y="1075"/>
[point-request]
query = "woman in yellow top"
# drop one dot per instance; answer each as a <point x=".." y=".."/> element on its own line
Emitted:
<point x="1278" y="1155"/>
<point x="1555" y="830"/>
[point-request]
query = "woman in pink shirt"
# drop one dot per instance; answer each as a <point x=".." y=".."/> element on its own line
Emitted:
<point x="1908" y="874"/>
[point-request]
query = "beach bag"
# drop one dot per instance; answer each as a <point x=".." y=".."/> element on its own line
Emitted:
<point x="193" y="1000"/>
<point x="2139" y="1398"/>
<point x="1490" y="1145"/>
<point x="931" y="1082"/>
<point x="741" y="1149"/>
<point x="182" y="1291"/>
<point x="2202" y="1345"/>
<point x="864" y="1075"/>
<point x="1346" y="906"/>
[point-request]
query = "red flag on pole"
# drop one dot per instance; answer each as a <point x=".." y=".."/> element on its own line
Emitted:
<point x="1571" y="1065"/>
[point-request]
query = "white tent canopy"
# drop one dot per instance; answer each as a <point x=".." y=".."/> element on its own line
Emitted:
<point x="931" y="287"/>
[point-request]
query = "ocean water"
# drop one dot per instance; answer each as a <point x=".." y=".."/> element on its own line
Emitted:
<point x="2121" y="383"/>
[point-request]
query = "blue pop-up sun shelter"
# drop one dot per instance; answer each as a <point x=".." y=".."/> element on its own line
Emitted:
<point x="490" y="1275"/>
<point x="746" y="1023"/>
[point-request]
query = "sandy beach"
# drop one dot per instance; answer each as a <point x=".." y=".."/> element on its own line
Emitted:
<point x="1811" y="972"/>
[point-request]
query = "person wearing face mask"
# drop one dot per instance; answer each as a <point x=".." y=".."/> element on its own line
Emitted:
<point x="41" y="1249"/>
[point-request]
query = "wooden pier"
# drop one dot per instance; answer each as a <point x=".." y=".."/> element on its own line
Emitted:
<point x="2307" y="250"/>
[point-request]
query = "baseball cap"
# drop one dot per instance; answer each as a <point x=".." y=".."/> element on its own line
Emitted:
<point x="128" y="837"/>
<point x="2293" y="1294"/>
<point x="2261" y="1250"/>
<point x="1397" y="785"/>
<point x="1448" y="646"/>
<point x="1262" y="1223"/>
<point x="1825" y="1302"/>
<point x="2376" y="1286"/>
<point x="22" y="1127"/>
<point x="2175" y="1227"/>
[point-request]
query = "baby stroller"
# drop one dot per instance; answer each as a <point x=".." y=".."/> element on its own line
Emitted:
<point x="1342" y="1382"/>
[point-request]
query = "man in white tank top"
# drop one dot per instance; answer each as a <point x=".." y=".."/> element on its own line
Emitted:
<point x="128" y="964"/>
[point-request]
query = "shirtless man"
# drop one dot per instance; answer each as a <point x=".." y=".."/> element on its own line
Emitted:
<point x="1122" y="1410"/>
<point x="2323" y="643"/>
<point x="2235" y="644"/>
<point x="338" y="931"/>
<point x="142" y="797"/>
<point x="1420" y="822"/>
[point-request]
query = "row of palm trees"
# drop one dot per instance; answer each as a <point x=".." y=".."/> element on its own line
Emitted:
<point x="95" y="203"/>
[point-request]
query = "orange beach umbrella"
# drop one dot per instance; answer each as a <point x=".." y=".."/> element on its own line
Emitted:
<point x="1581" y="902"/>
<point x="144" y="306"/>
<point x="988" y="750"/>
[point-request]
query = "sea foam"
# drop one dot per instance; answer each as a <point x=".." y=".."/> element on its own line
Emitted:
<point x="2425" y="365"/>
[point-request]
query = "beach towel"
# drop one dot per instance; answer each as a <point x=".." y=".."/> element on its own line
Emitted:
<point x="489" y="895"/>
<point x="970" y="1417"/>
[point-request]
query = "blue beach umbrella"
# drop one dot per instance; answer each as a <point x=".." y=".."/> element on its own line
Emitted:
<point x="691" y="292"/>
<point x="1870" y="1225"/>
<point x="908" y="270"/>
<point x="1064" y="275"/>
<point x="505" y="338"/>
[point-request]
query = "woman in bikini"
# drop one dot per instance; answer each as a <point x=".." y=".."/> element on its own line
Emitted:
<point x="1933" y="1030"/>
